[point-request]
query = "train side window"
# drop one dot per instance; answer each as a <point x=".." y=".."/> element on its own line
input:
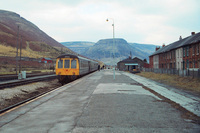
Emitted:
<point x="60" y="63"/>
<point x="73" y="64"/>
<point x="66" y="64"/>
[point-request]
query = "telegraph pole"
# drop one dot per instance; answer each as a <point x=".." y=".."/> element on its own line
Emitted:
<point x="20" y="67"/>
<point x="17" y="48"/>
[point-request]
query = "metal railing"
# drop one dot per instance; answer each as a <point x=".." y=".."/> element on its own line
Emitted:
<point x="192" y="72"/>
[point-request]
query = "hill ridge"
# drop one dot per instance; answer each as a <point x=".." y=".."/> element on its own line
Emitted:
<point x="31" y="34"/>
<point x="103" y="50"/>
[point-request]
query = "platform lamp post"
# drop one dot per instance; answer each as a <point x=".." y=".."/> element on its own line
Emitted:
<point x="113" y="45"/>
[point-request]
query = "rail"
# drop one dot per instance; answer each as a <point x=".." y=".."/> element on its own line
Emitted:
<point x="22" y="102"/>
<point x="12" y="83"/>
<point x="28" y="75"/>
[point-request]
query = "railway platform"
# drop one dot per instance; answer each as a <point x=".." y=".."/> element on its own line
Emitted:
<point x="98" y="103"/>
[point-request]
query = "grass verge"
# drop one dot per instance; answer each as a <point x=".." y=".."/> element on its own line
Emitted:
<point x="186" y="83"/>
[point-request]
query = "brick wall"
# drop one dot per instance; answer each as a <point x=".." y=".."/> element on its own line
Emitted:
<point x="191" y="56"/>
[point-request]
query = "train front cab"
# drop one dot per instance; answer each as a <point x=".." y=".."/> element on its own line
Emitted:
<point x="67" y="69"/>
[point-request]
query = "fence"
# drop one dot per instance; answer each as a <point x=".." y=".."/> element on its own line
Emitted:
<point x="195" y="73"/>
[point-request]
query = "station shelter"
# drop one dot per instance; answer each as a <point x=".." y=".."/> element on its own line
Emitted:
<point x="129" y="64"/>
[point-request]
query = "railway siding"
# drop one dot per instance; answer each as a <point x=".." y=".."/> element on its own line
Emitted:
<point x="12" y="83"/>
<point x="11" y="97"/>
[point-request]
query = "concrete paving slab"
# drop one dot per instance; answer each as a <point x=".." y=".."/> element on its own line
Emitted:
<point x="123" y="89"/>
<point x="98" y="104"/>
<point x="192" y="104"/>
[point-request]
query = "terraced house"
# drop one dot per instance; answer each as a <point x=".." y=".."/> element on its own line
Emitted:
<point x="180" y="55"/>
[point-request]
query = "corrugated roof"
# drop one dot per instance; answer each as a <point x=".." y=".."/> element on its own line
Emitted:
<point x="128" y="60"/>
<point x="183" y="42"/>
<point x="47" y="58"/>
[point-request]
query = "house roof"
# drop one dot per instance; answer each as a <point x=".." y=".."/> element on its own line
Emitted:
<point x="128" y="60"/>
<point x="183" y="42"/>
<point x="47" y="58"/>
<point x="136" y="58"/>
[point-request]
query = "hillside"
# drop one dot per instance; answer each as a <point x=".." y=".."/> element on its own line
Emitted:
<point x="148" y="49"/>
<point x="35" y="42"/>
<point x="103" y="49"/>
<point x="78" y="46"/>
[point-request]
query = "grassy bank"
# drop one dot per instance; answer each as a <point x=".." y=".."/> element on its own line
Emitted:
<point x="187" y="83"/>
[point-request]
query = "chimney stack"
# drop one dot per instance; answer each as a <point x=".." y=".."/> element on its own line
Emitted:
<point x="157" y="48"/>
<point x="163" y="45"/>
<point x="192" y="33"/>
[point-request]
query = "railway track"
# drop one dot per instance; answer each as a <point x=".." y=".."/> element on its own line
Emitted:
<point x="12" y="83"/>
<point x="24" y="101"/>
<point x="28" y="75"/>
<point x="26" y="81"/>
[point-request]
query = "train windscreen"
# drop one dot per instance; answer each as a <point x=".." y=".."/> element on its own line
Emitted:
<point x="66" y="64"/>
<point x="60" y="63"/>
<point x="73" y="64"/>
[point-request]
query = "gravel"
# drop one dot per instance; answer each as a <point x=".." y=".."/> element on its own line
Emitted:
<point x="10" y="96"/>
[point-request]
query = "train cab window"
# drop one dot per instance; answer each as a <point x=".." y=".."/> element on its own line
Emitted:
<point x="66" y="65"/>
<point x="60" y="63"/>
<point x="73" y="64"/>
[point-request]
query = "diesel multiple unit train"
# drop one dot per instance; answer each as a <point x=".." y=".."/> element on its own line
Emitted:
<point x="70" y="67"/>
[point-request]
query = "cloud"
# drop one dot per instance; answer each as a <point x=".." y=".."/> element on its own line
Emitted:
<point x="144" y="21"/>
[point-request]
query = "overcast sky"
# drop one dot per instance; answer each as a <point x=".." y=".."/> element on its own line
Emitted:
<point x="140" y="21"/>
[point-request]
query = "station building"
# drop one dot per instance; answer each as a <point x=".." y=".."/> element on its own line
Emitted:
<point x="132" y="64"/>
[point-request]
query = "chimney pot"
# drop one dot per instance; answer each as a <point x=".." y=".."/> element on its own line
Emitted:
<point x="192" y="33"/>
<point x="180" y="38"/>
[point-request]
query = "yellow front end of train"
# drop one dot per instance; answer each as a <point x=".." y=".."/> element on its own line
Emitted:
<point x="67" y="69"/>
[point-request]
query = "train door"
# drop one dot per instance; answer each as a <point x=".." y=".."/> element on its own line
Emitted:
<point x="89" y="66"/>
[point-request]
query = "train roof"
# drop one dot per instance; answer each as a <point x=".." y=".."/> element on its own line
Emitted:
<point x="75" y="56"/>
<point x="67" y="56"/>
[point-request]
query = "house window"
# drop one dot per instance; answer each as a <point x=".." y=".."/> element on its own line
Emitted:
<point x="174" y="54"/>
<point x="183" y="52"/>
<point x="199" y="64"/>
<point x="198" y="49"/>
<point x="178" y="65"/>
<point x="193" y="50"/>
<point x="171" y="55"/>
<point x="187" y="65"/>
<point x="193" y="63"/>
<point x="177" y="53"/>
<point x="187" y="51"/>
<point x="170" y="65"/>
<point x="181" y="65"/>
